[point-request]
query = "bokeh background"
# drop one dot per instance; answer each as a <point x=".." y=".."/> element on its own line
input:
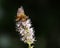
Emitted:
<point x="44" y="15"/>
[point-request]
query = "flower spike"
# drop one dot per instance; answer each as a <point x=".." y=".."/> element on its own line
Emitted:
<point x="23" y="26"/>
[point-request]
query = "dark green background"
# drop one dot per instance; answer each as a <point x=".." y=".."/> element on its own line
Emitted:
<point x="44" y="15"/>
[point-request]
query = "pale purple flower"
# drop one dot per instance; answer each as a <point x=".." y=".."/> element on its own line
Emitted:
<point x="20" y="11"/>
<point x="25" y="29"/>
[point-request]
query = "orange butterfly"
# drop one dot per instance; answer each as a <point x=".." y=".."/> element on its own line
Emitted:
<point x="21" y="15"/>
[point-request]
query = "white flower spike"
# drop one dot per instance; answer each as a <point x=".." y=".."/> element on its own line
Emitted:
<point x="23" y="26"/>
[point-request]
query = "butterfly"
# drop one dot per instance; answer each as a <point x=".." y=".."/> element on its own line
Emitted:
<point x="21" y="15"/>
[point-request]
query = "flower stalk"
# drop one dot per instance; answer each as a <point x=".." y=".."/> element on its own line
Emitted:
<point x="23" y="26"/>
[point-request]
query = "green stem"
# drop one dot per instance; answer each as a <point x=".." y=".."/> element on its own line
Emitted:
<point x="29" y="45"/>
